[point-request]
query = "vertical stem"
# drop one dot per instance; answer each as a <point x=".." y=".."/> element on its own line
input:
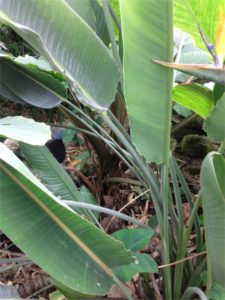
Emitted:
<point x="111" y="33"/>
<point x="165" y="232"/>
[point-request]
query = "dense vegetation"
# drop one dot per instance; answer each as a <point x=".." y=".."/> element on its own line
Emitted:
<point x="107" y="66"/>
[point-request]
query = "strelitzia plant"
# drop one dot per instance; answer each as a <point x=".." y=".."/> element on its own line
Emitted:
<point x="77" y="52"/>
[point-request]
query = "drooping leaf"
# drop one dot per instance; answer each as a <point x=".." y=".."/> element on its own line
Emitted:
<point x="213" y="199"/>
<point x="68" y="43"/>
<point x="195" y="97"/>
<point x="143" y="263"/>
<point x="214" y="124"/>
<point x="207" y="72"/>
<point x="30" y="84"/>
<point x="52" y="235"/>
<point x="134" y="239"/>
<point x="25" y="130"/>
<point x="5" y="92"/>
<point x="147" y="35"/>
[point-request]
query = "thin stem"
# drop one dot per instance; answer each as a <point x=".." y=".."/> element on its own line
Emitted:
<point x="111" y="33"/>
<point x="180" y="176"/>
<point x="183" y="123"/>
<point x="73" y="128"/>
<point x="114" y="17"/>
<point x="147" y="172"/>
<point x="123" y="180"/>
<point x="165" y="232"/>
<point x="75" y="204"/>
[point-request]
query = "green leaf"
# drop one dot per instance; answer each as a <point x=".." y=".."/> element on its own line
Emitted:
<point x="68" y="247"/>
<point x="134" y="239"/>
<point x="214" y="123"/>
<point x="31" y="84"/>
<point x="216" y="292"/>
<point x="53" y="175"/>
<point x="196" y="97"/>
<point x="68" y="43"/>
<point x="207" y="72"/>
<point x="189" y="13"/>
<point x="147" y="35"/>
<point x="218" y="91"/>
<point x="25" y="130"/>
<point x="143" y="263"/>
<point x="213" y="199"/>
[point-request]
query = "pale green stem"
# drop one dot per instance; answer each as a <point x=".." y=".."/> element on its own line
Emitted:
<point x="114" y="17"/>
<point x="109" y="25"/>
<point x="187" y="232"/>
<point x="75" y="204"/>
<point x="165" y="231"/>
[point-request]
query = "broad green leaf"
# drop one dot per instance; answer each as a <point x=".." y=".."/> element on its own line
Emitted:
<point x="143" y="263"/>
<point x="25" y="130"/>
<point x="195" y="97"/>
<point x="53" y="175"/>
<point x="147" y="35"/>
<point x="189" y="13"/>
<point x="5" y="92"/>
<point x="31" y="84"/>
<point x="52" y="235"/>
<point x="207" y="72"/>
<point x="69" y="44"/>
<point x="214" y="124"/>
<point x="213" y="199"/>
<point x="134" y="239"/>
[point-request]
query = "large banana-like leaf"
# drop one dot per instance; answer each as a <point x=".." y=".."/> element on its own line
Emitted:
<point x="53" y="175"/>
<point x="29" y="83"/>
<point x="68" y="247"/>
<point x="213" y="198"/>
<point x="25" y="130"/>
<point x="55" y="30"/>
<point x="147" y="35"/>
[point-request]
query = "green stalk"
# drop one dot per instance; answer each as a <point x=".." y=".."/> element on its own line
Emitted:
<point x="179" y="267"/>
<point x="182" y="252"/>
<point x="199" y="237"/>
<point x="114" y="17"/>
<point x="111" y="34"/>
<point x="165" y="232"/>
<point x="104" y="210"/>
<point x="111" y="144"/>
